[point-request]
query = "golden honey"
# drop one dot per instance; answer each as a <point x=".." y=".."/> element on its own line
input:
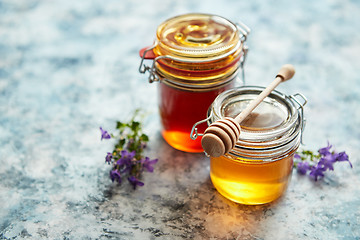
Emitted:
<point x="195" y="58"/>
<point x="258" y="169"/>
<point x="250" y="182"/>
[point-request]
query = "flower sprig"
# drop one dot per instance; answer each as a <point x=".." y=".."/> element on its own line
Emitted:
<point x="127" y="158"/>
<point x="316" y="164"/>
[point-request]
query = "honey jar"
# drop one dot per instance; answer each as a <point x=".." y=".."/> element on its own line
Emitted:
<point x="195" y="57"/>
<point x="258" y="169"/>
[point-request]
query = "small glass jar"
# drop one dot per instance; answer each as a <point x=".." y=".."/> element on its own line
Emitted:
<point x="195" y="58"/>
<point x="258" y="169"/>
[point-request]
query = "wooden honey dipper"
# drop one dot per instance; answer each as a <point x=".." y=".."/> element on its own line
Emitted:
<point x="221" y="136"/>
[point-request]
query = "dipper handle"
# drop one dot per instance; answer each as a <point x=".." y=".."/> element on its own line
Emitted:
<point x="221" y="136"/>
<point x="286" y="72"/>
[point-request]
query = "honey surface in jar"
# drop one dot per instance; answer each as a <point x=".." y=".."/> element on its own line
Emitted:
<point x="179" y="109"/>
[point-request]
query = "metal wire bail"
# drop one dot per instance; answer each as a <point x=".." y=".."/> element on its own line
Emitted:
<point x="245" y="31"/>
<point x="144" y="68"/>
<point x="194" y="131"/>
<point x="301" y="111"/>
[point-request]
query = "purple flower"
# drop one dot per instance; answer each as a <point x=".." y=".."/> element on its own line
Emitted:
<point x="115" y="175"/>
<point x="325" y="150"/>
<point x="342" y="157"/>
<point x="108" y="158"/>
<point x="329" y="158"/>
<point x="104" y="134"/>
<point x="125" y="161"/>
<point x="135" y="182"/>
<point x="147" y="163"/>
<point x="126" y="158"/>
<point x="297" y="156"/>
<point x="127" y="155"/>
<point x="317" y="171"/>
<point x="327" y="162"/>
<point x="303" y="167"/>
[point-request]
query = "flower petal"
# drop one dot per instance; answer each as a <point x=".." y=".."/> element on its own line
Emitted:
<point x="303" y="167"/>
<point x="108" y="158"/>
<point x="104" y="134"/>
<point x="325" y="150"/>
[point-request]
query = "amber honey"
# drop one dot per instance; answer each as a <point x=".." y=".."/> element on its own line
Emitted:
<point x="179" y="109"/>
<point x="258" y="169"/>
<point x="196" y="57"/>
<point x="250" y="182"/>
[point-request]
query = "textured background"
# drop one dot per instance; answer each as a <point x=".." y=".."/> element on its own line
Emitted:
<point x="68" y="67"/>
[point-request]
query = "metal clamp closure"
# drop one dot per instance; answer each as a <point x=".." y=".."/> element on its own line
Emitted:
<point x="144" y="68"/>
<point x="245" y="31"/>
<point x="194" y="131"/>
<point x="301" y="111"/>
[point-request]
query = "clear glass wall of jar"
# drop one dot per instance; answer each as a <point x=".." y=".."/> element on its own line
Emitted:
<point x="195" y="58"/>
<point x="258" y="169"/>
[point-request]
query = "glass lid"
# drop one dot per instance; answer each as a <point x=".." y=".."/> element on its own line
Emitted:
<point x="197" y="35"/>
<point x="273" y="118"/>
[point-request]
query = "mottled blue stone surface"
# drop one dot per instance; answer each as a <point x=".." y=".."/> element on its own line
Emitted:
<point x="68" y="67"/>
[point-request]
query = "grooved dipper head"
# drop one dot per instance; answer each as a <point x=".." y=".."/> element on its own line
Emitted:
<point x="220" y="137"/>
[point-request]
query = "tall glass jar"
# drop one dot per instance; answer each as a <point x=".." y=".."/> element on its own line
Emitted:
<point x="195" y="58"/>
<point x="257" y="170"/>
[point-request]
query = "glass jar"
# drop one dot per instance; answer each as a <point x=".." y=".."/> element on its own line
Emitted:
<point x="195" y="58"/>
<point x="258" y="169"/>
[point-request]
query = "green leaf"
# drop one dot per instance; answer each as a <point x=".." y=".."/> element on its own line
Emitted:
<point x="120" y="144"/>
<point x="135" y="126"/>
<point x="144" y="137"/>
<point x="120" y="125"/>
